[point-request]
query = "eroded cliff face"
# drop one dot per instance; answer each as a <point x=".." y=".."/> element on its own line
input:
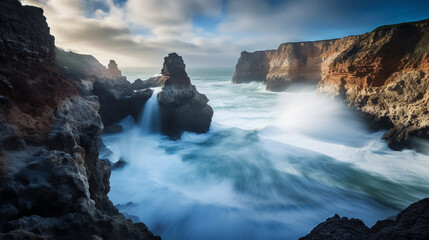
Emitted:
<point x="52" y="184"/>
<point x="303" y="62"/>
<point x="383" y="73"/>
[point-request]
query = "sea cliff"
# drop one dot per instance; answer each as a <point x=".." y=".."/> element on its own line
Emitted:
<point x="383" y="73"/>
<point x="52" y="183"/>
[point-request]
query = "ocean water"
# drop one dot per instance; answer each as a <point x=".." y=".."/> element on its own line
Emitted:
<point x="272" y="166"/>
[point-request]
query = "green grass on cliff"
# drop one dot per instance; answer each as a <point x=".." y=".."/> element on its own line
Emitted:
<point x="75" y="65"/>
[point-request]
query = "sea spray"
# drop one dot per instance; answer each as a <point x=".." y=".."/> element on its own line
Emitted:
<point x="273" y="166"/>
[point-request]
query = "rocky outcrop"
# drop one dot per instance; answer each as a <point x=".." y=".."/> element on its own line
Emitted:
<point x="182" y="107"/>
<point x="383" y="73"/>
<point x="411" y="223"/>
<point x="113" y="69"/>
<point x="30" y="86"/>
<point x="149" y="83"/>
<point x="53" y="186"/>
<point x="118" y="97"/>
<point x="80" y="67"/>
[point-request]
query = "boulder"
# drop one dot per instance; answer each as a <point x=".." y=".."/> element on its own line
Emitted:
<point x="182" y="107"/>
<point x="113" y="95"/>
<point x="149" y="83"/>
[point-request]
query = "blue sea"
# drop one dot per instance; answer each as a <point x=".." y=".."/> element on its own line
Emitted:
<point x="272" y="166"/>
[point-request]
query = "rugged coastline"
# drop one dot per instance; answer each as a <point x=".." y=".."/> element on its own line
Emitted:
<point x="52" y="112"/>
<point x="51" y="177"/>
<point x="383" y="74"/>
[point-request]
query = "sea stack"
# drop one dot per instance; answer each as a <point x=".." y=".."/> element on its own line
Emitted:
<point x="113" y="69"/>
<point x="182" y="107"/>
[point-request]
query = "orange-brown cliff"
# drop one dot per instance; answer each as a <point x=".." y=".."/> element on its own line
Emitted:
<point x="383" y="73"/>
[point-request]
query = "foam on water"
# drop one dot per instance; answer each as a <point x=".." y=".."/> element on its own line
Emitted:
<point x="272" y="166"/>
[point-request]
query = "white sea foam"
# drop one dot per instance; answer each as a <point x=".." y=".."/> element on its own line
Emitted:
<point x="272" y="166"/>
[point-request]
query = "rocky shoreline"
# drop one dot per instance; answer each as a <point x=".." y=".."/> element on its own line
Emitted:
<point x="411" y="223"/>
<point x="51" y="178"/>
<point x="53" y="107"/>
<point x="383" y="74"/>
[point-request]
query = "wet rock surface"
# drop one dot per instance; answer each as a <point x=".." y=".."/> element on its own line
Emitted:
<point x="182" y="107"/>
<point x="149" y="83"/>
<point x="53" y="186"/>
<point x="411" y="223"/>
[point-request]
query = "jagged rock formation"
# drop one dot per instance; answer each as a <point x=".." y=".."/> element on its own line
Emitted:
<point x="53" y="186"/>
<point x="116" y="95"/>
<point x="182" y="107"/>
<point x="383" y="73"/>
<point x="113" y="69"/>
<point x="411" y="223"/>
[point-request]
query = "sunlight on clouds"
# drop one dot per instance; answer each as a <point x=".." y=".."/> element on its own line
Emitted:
<point x="209" y="32"/>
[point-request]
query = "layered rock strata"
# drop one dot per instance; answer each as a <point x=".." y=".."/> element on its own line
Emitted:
<point x="383" y="73"/>
<point x="182" y="107"/>
<point x="53" y="186"/>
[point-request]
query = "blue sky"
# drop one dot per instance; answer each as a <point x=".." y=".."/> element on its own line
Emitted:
<point x="210" y="32"/>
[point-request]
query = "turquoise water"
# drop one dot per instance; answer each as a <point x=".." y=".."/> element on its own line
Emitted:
<point x="272" y="166"/>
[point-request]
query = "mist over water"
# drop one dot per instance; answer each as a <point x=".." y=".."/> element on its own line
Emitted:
<point x="272" y="166"/>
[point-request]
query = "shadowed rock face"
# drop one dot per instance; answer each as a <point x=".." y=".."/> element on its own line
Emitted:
<point x="411" y="223"/>
<point x="173" y="71"/>
<point x="148" y="83"/>
<point x="53" y="186"/>
<point x="384" y="73"/>
<point x="182" y="107"/>
<point x="116" y="95"/>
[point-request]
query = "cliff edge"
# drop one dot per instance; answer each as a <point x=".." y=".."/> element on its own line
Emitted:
<point x="383" y="73"/>
<point x="52" y="184"/>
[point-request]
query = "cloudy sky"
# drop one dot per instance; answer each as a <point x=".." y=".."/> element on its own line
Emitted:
<point x="139" y="33"/>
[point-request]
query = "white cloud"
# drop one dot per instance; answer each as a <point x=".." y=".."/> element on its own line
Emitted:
<point x="141" y="33"/>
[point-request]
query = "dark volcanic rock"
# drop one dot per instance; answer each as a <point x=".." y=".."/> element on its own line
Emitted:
<point x="115" y="128"/>
<point x="339" y="228"/>
<point x="411" y="223"/>
<point x="53" y="186"/>
<point x="173" y="71"/>
<point x="149" y="83"/>
<point x="119" y="164"/>
<point x="137" y="101"/>
<point x="182" y="107"/>
<point x="114" y="96"/>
